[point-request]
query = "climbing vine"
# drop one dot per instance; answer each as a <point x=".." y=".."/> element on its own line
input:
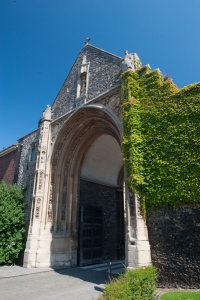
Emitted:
<point x="161" y="138"/>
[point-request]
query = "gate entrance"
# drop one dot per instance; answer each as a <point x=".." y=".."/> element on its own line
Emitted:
<point x="100" y="202"/>
<point x="90" y="247"/>
<point x="101" y="224"/>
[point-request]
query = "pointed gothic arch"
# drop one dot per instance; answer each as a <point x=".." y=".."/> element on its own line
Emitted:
<point x="75" y="139"/>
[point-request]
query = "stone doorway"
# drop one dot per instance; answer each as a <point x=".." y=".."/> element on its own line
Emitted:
<point x="84" y="170"/>
<point x="100" y="185"/>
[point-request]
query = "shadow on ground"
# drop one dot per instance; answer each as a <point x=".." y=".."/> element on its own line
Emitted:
<point x="89" y="275"/>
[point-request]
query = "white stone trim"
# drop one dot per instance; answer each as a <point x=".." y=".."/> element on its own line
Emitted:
<point x="8" y="150"/>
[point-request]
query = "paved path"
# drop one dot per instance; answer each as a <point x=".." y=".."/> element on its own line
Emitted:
<point x="81" y="283"/>
<point x="85" y="283"/>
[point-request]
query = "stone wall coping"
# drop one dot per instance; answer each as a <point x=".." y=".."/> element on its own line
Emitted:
<point x="9" y="149"/>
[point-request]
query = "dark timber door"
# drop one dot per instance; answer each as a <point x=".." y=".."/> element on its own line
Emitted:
<point x="90" y="245"/>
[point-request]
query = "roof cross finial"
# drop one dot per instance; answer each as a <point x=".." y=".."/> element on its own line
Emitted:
<point x="87" y="41"/>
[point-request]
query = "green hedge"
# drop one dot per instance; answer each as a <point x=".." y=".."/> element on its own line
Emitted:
<point x="138" y="284"/>
<point x="161" y="138"/>
<point x="12" y="223"/>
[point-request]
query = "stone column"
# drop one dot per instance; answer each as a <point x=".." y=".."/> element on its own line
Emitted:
<point x="38" y="246"/>
<point x="138" y="249"/>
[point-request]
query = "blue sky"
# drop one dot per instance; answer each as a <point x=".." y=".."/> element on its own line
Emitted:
<point x="40" y="40"/>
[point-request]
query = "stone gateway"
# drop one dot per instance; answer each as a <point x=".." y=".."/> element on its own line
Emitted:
<point x="79" y="208"/>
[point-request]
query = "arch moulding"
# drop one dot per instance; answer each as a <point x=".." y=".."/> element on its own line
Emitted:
<point x="72" y="143"/>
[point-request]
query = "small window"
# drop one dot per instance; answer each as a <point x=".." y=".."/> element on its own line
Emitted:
<point x="33" y="153"/>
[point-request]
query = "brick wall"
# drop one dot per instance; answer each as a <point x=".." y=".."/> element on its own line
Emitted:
<point x="9" y="164"/>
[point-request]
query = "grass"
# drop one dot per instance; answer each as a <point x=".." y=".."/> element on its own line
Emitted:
<point x="181" y="296"/>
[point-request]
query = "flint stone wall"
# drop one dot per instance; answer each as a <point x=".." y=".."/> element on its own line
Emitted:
<point x="104" y="74"/>
<point x="174" y="236"/>
<point x="27" y="168"/>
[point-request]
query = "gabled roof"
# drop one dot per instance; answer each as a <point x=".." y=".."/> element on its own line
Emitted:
<point x="99" y="49"/>
<point x="104" y="70"/>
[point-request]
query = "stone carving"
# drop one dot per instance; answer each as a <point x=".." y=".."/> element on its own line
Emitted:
<point x="131" y="61"/>
<point x="38" y="159"/>
<point x="40" y="180"/>
<point x="83" y="78"/>
<point x="84" y="65"/>
<point x="75" y="123"/>
<point x="112" y="102"/>
<point x="49" y="214"/>
<point x="92" y="125"/>
<point x="43" y="157"/>
<point x="49" y="210"/>
<point x="55" y="129"/>
<point x="37" y="208"/>
<point x="44" y="130"/>
<point x="46" y="115"/>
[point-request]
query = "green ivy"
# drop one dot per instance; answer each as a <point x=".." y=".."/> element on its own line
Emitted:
<point x="161" y="138"/>
<point x="12" y="223"/>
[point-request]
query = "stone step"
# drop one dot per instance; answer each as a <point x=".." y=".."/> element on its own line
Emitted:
<point x="117" y="267"/>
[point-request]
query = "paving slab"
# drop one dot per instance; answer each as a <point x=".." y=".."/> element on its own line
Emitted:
<point x="13" y="271"/>
<point x="80" y="283"/>
<point x="46" y="283"/>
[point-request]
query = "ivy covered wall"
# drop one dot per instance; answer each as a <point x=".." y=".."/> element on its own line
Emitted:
<point x="161" y="138"/>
